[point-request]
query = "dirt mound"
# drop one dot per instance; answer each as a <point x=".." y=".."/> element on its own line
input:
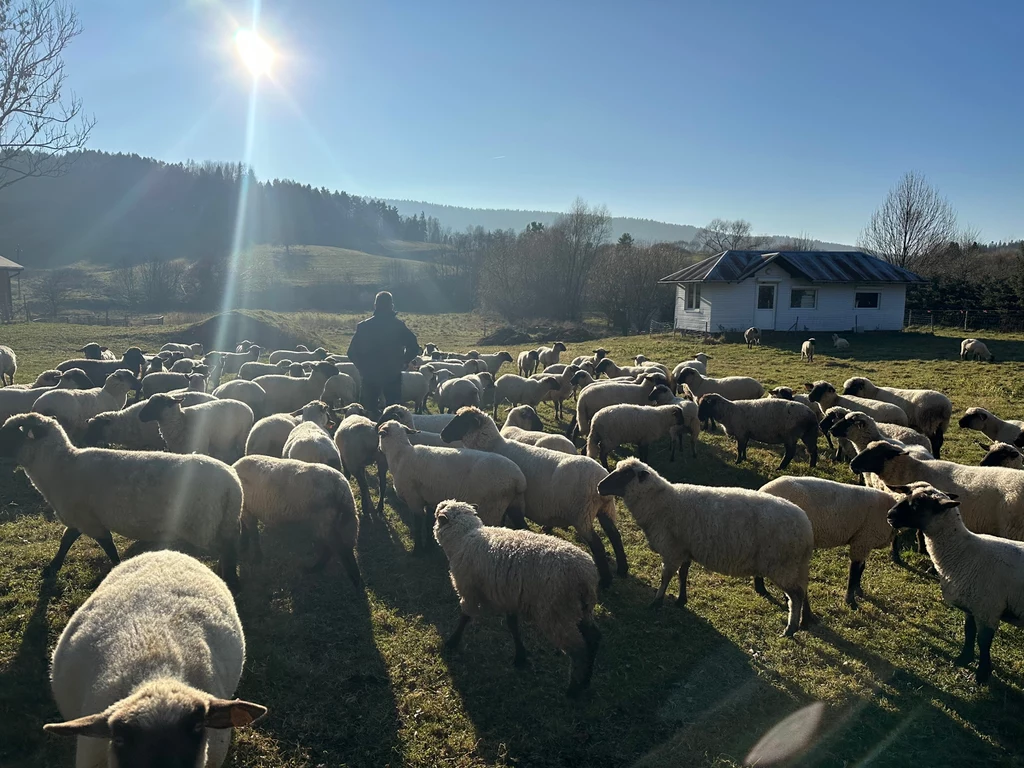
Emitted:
<point x="508" y="336"/>
<point x="268" y="329"/>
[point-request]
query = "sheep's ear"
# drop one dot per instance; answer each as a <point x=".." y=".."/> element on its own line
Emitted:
<point x="35" y="431"/>
<point x="90" y="725"/>
<point x="642" y="475"/>
<point x="808" y="386"/>
<point x="984" y="445"/>
<point x="410" y="431"/>
<point x="296" y="413"/>
<point x="104" y="349"/>
<point x="953" y="495"/>
<point x="442" y="519"/>
<point x="948" y="503"/>
<point x="222" y="713"/>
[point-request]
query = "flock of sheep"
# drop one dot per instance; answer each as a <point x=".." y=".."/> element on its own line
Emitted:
<point x="207" y="463"/>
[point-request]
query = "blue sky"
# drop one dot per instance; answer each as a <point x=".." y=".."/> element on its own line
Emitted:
<point x="798" y="116"/>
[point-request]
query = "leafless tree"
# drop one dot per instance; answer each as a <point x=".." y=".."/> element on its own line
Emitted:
<point x="160" y="282"/>
<point x="38" y="125"/>
<point x="55" y="287"/>
<point x="802" y="242"/>
<point x="625" y="288"/>
<point x="124" y="286"/>
<point x="913" y="223"/>
<point x="728" y="235"/>
<point x="960" y="259"/>
<point x="576" y="238"/>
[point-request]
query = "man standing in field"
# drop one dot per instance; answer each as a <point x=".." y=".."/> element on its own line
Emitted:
<point x="381" y="349"/>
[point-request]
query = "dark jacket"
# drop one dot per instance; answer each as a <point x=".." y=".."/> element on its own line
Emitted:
<point x="382" y="346"/>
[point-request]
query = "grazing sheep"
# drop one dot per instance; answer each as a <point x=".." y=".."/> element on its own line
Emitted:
<point x="731" y="531"/>
<point x="279" y="491"/>
<point x="14" y="400"/>
<point x="251" y="370"/>
<point x="730" y="387"/>
<point x="185" y="365"/>
<point x="298" y="356"/>
<point x="927" y="411"/>
<point x="767" y="420"/>
<point x="125" y="429"/>
<point x="164" y="381"/>
<point x="752" y="336"/>
<point x="604" y="393"/>
<point x="248" y="392"/>
<point x="285" y="394"/>
<point x="137" y="681"/>
<point x="268" y="435"/>
<point x="218" y="428"/>
<point x="527" y="362"/>
<point x="543" y="579"/>
<point x="1002" y="455"/>
<point x="74" y="407"/>
<point x="357" y="441"/>
<point x="786" y="393"/>
<point x="309" y="440"/>
<point x="807" y="350"/>
<point x="981" y="575"/>
<point x="991" y="425"/>
<point x="593" y="359"/>
<point x="46" y="379"/>
<point x="858" y="430"/>
<point x="98" y="370"/>
<point x="840" y="515"/>
<point x="517" y="390"/>
<point x="231" y="362"/>
<point x="972" y="348"/>
<point x="523" y="425"/>
<point x="494" y="361"/>
<point x="144" y="495"/>
<point x="699" y="363"/>
<point x="642" y="425"/>
<point x="94" y="351"/>
<point x="549" y="355"/>
<point x="560" y="489"/>
<point x="189" y="350"/>
<point x="608" y="367"/>
<point x="839" y="342"/>
<point x="825" y="395"/>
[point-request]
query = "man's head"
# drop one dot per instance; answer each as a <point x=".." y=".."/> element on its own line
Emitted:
<point x="384" y="302"/>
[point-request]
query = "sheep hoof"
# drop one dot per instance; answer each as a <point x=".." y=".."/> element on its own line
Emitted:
<point x="790" y="631"/>
<point x="605" y="582"/>
<point x="680" y="602"/>
<point x="858" y="592"/>
<point x="657" y="602"/>
<point x="852" y="602"/>
<point x="982" y="676"/>
<point x="964" y="660"/>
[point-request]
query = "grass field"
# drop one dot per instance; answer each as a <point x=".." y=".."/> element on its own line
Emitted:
<point x="355" y="679"/>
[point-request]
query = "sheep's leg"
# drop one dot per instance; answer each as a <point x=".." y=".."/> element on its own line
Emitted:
<point x="513" y="627"/>
<point x="583" y="659"/>
<point x="456" y="637"/>
<point x="382" y="482"/>
<point x="323" y="554"/>
<point x="667" y="572"/>
<point x="894" y="554"/>
<point x="788" y="456"/>
<point x="796" y="596"/>
<point x="853" y="582"/>
<point x="70" y="537"/>
<point x="684" y="574"/>
<point x="812" y="449"/>
<point x="642" y="451"/>
<point x="760" y="588"/>
<point x="937" y="440"/>
<point x="984" y="672"/>
<point x="515" y="517"/>
<point x="741" y="450"/>
<point x="672" y="445"/>
<point x="921" y="546"/>
<point x="364" y="492"/>
<point x="604" y="457"/>
<point x="970" y="634"/>
<point x="257" y="551"/>
<point x="621" y="566"/>
<point x="228" y="565"/>
<point x="593" y="540"/>
<point x="348" y="561"/>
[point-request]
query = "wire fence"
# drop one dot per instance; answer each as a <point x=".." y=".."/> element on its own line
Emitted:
<point x="966" y="319"/>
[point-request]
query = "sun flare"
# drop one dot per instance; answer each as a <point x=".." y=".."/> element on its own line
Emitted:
<point x="254" y="51"/>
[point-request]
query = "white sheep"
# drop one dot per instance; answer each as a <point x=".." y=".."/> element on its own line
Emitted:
<point x="523" y="425"/>
<point x="698" y="363"/>
<point x="859" y="429"/>
<point x="767" y="420"/>
<point x="268" y="435"/>
<point x="251" y="370"/>
<point x="98" y="370"/>
<point x="298" y="356"/>
<point x="185" y="365"/>
<point x="279" y="491"/>
<point x="527" y="362"/>
<point x="973" y="348"/>
<point x="15" y="399"/>
<point x="456" y="393"/>
<point x="341" y="389"/>
<point x="163" y="381"/>
<point x="190" y="350"/>
<point x="74" y="407"/>
<point x="243" y="391"/>
<point x="732" y="531"/>
<point x="752" y="336"/>
<point x="357" y="441"/>
<point x="231" y="362"/>
<point x="1001" y="455"/>
<point x="590" y="360"/>
<point x="561" y="490"/>
<point x="729" y="387"/>
<point x="309" y="440"/>
<point x="134" y="681"/>
<point x="641" y="425"/>
<point x="517" y="390"/>
<point x="144" y="495"/>
<point x="565" y="389"/>
<point x="218" y="428"/>
<point x="807" y="350"/>
<point x="927" y="411"/>
<point x="94" y="351"/>
<point x="494" y="361"/>
<point x="601" y="394"/>
<point x="986" y="422"/>
<point x="981" y="575"/>
<point x="124" y="428"/>
<point x="839" y="342"/>
<point x="825" y="395"/>
<point x="608" y="367"/>
<point x="549" y="355"/>
<point x="285" y="394"/>
<point x="518" y="573"/>
<point x="416" y="386"/>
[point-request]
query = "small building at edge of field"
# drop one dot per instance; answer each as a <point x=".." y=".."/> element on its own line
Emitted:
<point x="790" y="290"/>
<point x="8" y="269"/>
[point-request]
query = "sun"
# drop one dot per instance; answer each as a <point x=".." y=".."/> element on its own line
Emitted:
<point x="256" y="54"/>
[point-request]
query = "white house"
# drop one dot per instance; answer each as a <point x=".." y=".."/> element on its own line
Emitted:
<point x="790" y="290"/>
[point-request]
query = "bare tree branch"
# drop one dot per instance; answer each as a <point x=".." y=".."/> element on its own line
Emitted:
<point x="728" y="235"/>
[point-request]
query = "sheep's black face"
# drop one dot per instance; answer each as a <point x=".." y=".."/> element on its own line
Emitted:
<point x="971" y="420"/>
<point x="920" y="508"/>
<point x="706" y="408"/>
<point x="536" y="424"/>
<point x="325" y="370"/>
<point x="616" y="483"/>
<point x="96" y="431"/>
<point x="855" y="387"/>
<point x="603" y="366"/>
<point x="819" y="390"/>
<point x="1000" y="457"/>
<point x="155" y="408"/>
<point x="874" y="458"/>
<point x="175" y="744"/>
<point x="658" y="393"/>
<point x="466" y="421"/>
<point x="504" y="357"/>
<point x="12" y="437"/>
<point x="840" y="427"/>
<point x="783" y="393"/>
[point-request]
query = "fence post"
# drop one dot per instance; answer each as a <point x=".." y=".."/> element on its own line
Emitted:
<point x="967" y="312"/>
<point x="910" y="317"/>
<point x="933" y="323"/>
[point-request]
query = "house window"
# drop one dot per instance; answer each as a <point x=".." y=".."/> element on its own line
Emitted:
<point x="803" y="298"/>
<point x="866" y="300"/>
<point x="766" y="297"/>
<point x="693" y="296"/>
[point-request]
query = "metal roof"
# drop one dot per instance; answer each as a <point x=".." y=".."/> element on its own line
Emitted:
<point x="8" y="264"/>
<point x="813" y="266"/>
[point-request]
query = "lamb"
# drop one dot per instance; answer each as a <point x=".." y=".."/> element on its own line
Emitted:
<point x="549" y="355"/>
<point x="309" y="440"/>
<point x="560" y="489"/>
<point x="604" y="393"/>
<point x="14" y="400"/>
<point x="593" y="359"/>
<point x="981" y="575"/>
<point x="752" y="336"/>
<point x="807" y="350"/>
<point x="730" y="387"/>
<point x="527" y="362"/>
<point x="824" y="394"/>
<point x="357" y="441"/>
<point x="155" y="685"/>
<point x="144" y="495"/>
<point x="642" y="425"/>
<point x="164" y="381"/>
<point x="231" y="362"/>
<point x="218" y="429"/>
<point x="285" y="394"/>
<point x="991" y="425"/>
<point x="839" y="342"/>
<point x="189" y="350"/>
<point x="98" y="370"/>
<point x="456" y="393"/>
<point x="523" y="425"/>
<point x="1002" y="455"/>
<point x="494" y="361"/>
<point x="248" y="392"/>
<point x="425" y="476"/>
<point x="543" y="579"/>
<point x="927" y="411"/>
<point x="298" y="357"/>
<point x="94" y="351"/>
<point x="767" y="420"/>
<point x="840" y="515"/>
<point x="565" y="388"/>
<point x="126" y="429"/>
<point x="74" y="407"/>
<point x="517" y="390"/>
<point x="972" y="348"/>
<point x="282" y="490"/>
<point x="731" y="531"/>
<point x="251" y="370"/>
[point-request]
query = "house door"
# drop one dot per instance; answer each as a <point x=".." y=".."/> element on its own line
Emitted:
<point x="767" y="298"/>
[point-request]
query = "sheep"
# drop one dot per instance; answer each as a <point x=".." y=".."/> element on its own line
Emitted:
<point x="608" y="367"/>
<point x="425" y="476"/>
<point x="189" y="350"/>
<point x="730" y="387"/>
<point x="155" y="365"/>
<point x="494" y="361"/>
<point x="243" y="346"/>
<point x="218" y="429"/>
<point x="341" y="388"/>
<point x="98" y="370"/>
<point x="350" y="370"/>
<point x="543" y="579"/>
<point x="301" y="348"/>
<point x="94" y="351"/>
<point x="164" y="381"/>
<point x="298" y="356"/>
<point x="840" y="515"/>
<point x="297" y="371"/>
<point x="991" y="425"/>
<point x="839" y="342"/>
<point x="144" y="495"/>
<point x="732" y="531"/>
<point x="231" y="362"/>
<point x="549" y="355"/>
<point x="523" y="425"/>
<point x="560" y="489"/>
<point x="517" y="390"/>
<point x="283" y="490"/>
<point x="14" y="400"/>
<point x="786" y="393"/>
<point x="251" y="370"/>
<point x="357" y="442"/>
<point x="602" y="394"/>
<point x="527" y="362"/>
<point x="455" y="393"/>
<point x="860" y="429"/>
<point x="185" y="365"/>
<point x="309" y="440"/>
<point x="565" y="388"/>
<point x="824" y="394"/>
<point x="126" y="429"/>
<point x="337" y="359"/>
<point x="981" y="575"/>
<point x="74" y="407"/>
<point x="285" y="394"/>
<point x="973" y="348"/>
<point x="593" y="359"/>
<point x="699" y="364"/>
<point x="268" y="435"/>
<point x="248" y="392"/>
<point x="1002" y="455"/>
<point x="752" y="336"/>
<point x="46" y="379"/>
<point x="642" y="425"/>
<point x="927" y="411"/>
<point x="767" y="420"/>
<point x="992" y="498"/>
<point x="807" y="350"/>
<point x="136" y="681"/>
<point x="416" y="386"/>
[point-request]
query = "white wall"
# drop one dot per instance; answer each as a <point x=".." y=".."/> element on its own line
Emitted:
<point x="693" y="319"/>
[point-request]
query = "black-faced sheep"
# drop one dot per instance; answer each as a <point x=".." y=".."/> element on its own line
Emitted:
<point x="767" y="420"/>
<point x="927" y="411"/>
